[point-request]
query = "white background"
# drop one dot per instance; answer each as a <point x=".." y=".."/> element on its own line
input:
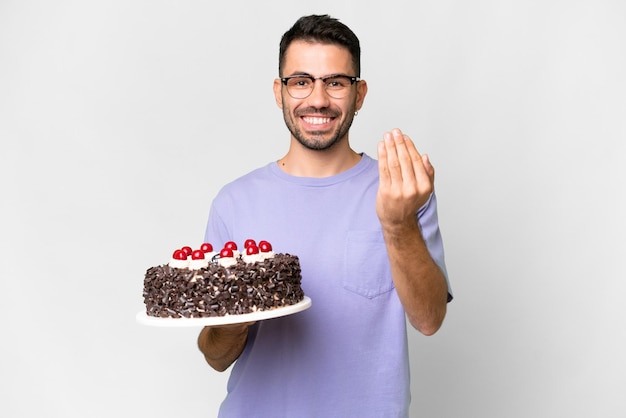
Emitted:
<point x="120" y="120"/>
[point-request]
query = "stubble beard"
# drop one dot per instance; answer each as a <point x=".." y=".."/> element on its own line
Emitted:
<point x="315" y="140"/>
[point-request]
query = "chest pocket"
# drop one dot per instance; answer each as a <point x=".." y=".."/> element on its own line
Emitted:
<point x="366" y="264"/>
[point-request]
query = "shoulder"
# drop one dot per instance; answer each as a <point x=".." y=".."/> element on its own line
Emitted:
<point x="252" y="178"/>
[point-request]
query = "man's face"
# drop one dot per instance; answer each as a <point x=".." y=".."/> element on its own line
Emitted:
<point x="318" y="121"/>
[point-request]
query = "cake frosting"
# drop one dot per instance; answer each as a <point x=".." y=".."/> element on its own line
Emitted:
<point x="203" y="283"/>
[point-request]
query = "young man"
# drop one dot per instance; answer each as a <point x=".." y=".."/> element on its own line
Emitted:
<point x="368" y="240"/>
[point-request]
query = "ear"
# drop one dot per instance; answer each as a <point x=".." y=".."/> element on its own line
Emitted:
<point x="361" y="92"/>
<point x="278" y="92"/>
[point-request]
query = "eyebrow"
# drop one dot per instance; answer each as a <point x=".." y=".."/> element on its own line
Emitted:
<point x="305" y="74"/>
<point x="298" y="73"/>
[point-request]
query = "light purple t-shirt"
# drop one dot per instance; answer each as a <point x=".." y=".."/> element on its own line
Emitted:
<point x="345" y="356"/>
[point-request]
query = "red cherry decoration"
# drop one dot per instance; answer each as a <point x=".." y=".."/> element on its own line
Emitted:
<point x="187" y="250"/>
<point x="197" y="255"/>
<point x="179" y="255"/>
<point x="265" y="246"/>
<point x="249" y="242"/>
<point x="206" y="247"/>
<point x="226" y="252"/>
<point x="252" y="249"/>
<point x="231" y="245"/>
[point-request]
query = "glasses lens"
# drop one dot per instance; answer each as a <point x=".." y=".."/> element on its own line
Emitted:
<point x="337" y="86"/>
<point x="299" y="87"/>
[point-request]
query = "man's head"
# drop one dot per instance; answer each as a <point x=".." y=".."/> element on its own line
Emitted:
<point x="325" y="30"/>
<point x="319" y="89"/>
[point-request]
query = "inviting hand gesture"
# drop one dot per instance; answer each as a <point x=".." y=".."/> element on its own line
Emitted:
<point x="406" y="180"/>
<point x="406" y="183"/>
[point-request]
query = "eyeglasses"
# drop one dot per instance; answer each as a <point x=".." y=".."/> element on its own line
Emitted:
<point x="336" y="85"/>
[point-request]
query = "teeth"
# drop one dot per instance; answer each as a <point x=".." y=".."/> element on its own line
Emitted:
<point x="316" y="121"/>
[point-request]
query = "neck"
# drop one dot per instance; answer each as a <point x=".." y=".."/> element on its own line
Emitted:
<point x="303" y="162"/>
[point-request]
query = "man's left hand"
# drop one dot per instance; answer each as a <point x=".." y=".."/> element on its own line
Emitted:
<point x="407" y="180"/>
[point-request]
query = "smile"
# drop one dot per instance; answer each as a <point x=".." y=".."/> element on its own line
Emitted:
<point x="316" y="120"/>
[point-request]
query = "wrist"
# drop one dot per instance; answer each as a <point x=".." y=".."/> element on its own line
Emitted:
<point x="401" y="230"/>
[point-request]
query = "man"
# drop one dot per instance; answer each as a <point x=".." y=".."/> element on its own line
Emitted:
<point x="368" y="240"/>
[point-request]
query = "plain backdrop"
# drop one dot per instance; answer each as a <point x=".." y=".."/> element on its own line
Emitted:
<point x="120" y="121"/>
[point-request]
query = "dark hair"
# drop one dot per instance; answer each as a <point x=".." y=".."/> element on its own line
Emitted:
<point x="323" y="29"/>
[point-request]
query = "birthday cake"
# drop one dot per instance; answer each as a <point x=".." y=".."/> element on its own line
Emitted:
<point x="202" y="283"/>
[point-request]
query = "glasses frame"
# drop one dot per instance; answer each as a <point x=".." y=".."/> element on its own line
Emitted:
<point x="285" y="80"/>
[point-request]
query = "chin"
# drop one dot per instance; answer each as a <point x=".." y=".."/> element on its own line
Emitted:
<point x="319" y="145"/>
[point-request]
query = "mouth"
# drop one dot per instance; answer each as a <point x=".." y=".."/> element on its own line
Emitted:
<point x="317" y="124"/>
<point x="317" y="120"/>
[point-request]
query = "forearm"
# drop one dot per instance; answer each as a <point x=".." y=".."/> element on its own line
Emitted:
<point x="419" y="282"/>
<point x="221" y="346"/>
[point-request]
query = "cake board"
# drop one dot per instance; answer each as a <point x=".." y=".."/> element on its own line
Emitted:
<point x="145" y="319"/>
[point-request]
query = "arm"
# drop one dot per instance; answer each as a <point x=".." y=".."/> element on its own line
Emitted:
<point x="406" y="183"/>
<point x="222" y="345"/>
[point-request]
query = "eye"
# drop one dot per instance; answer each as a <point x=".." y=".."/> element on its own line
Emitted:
<point x="337" y="82"/>
<point x="299" y="82"/>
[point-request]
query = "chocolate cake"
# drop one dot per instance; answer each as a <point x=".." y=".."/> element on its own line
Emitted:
<point x="225" y="283"/>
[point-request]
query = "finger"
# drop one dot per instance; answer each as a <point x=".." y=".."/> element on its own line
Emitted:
<point x="424" y="171"/>
<point x="408" y="158"/>
<point x="416" y="157"/>
<point x="383" y="169"/>
<point x="397" y="156"/>
<point x="430" y="170"/>
<point x="392" y="161"/>
<point x="414" y="174"/>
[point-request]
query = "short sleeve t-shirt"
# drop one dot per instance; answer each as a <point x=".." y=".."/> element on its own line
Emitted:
<point x="345" y="356"/>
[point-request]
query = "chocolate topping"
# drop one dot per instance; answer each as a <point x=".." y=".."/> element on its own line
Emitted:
<point x="218" y="291"/>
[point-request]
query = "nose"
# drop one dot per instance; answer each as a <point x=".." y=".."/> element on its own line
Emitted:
<point x="318" y="97"/>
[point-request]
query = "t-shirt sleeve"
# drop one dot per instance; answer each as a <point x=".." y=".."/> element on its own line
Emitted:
<point x="429" y="224"/>
<point x="216" y="232"/>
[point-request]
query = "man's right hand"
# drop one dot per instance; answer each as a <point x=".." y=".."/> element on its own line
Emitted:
<point x="223" y="344"/>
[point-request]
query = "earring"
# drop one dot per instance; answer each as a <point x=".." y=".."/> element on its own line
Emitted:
<point x="356" y="113"/>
